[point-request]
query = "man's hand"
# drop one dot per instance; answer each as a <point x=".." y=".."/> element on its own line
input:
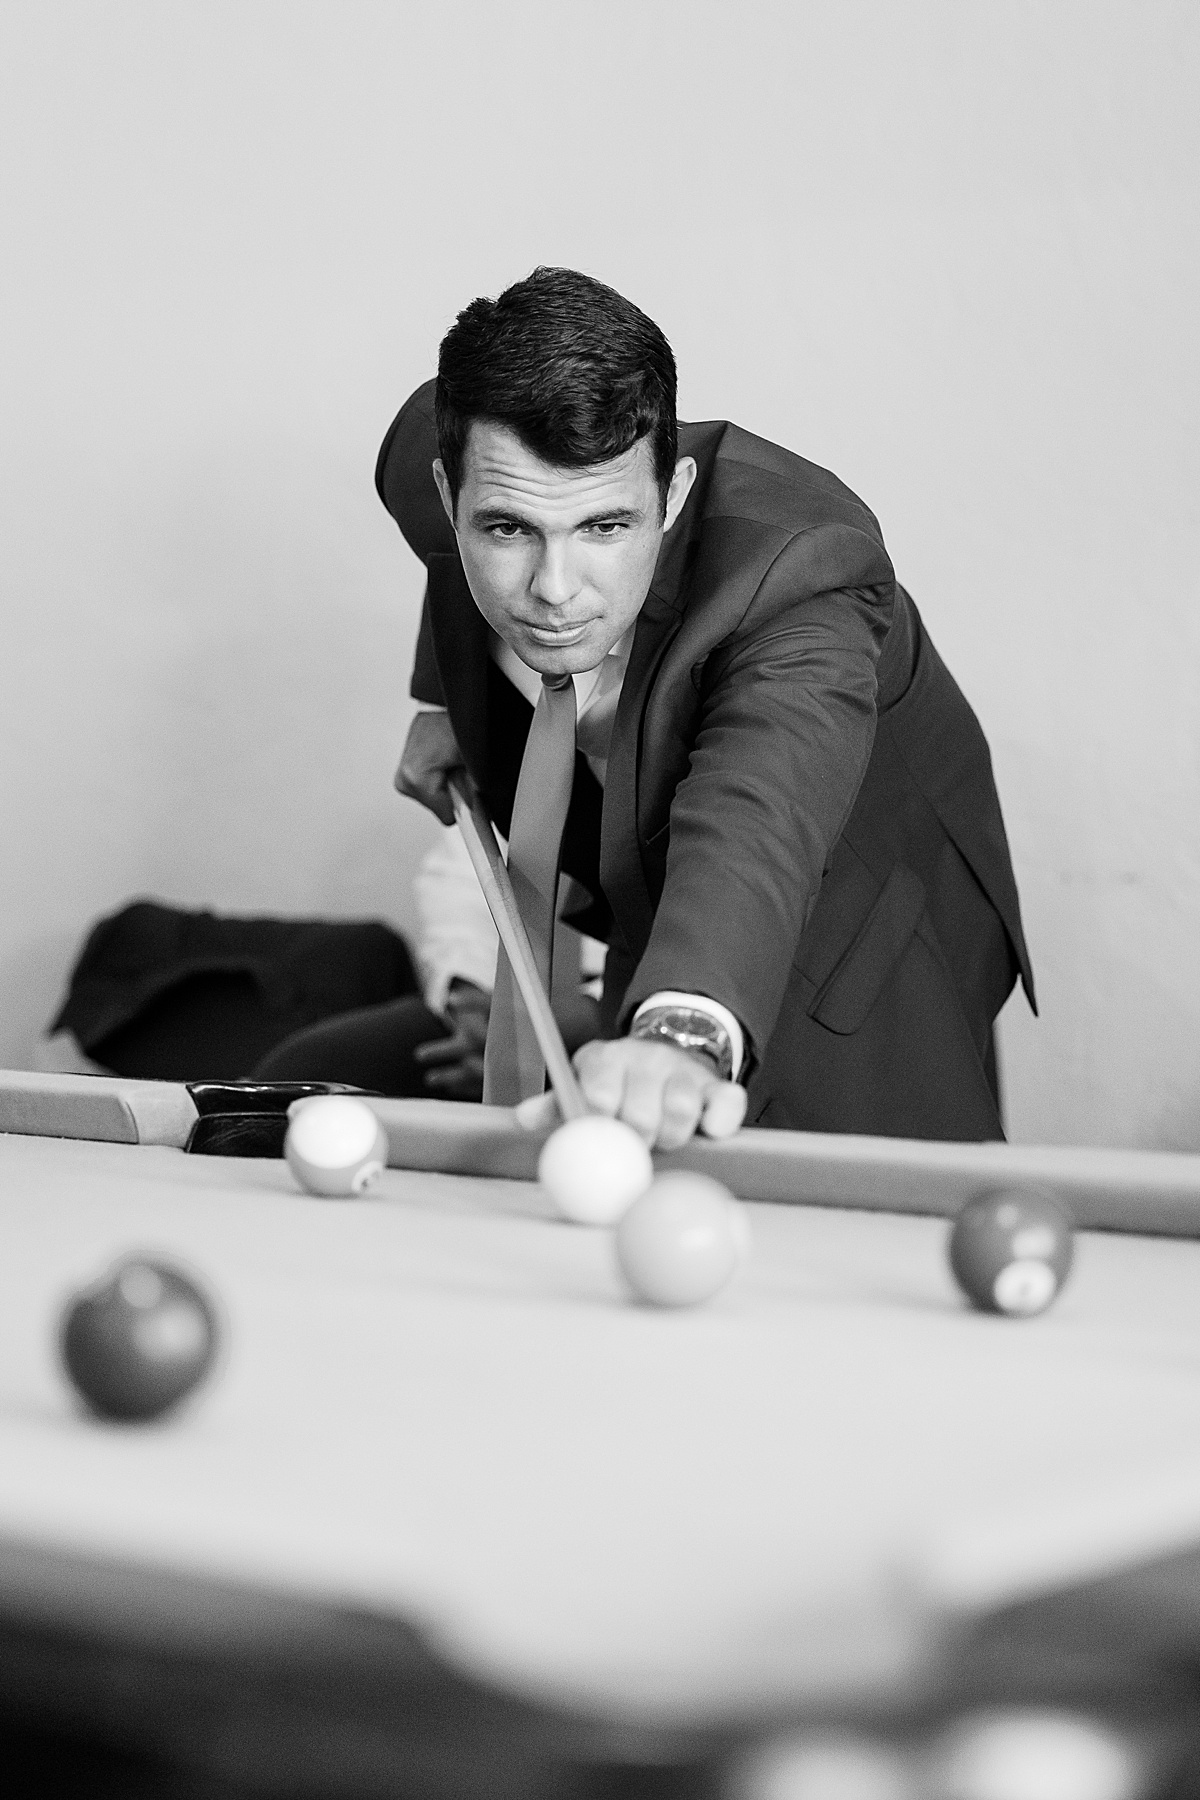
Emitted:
<point x="454" y="1065"/>
<point x="430" y="756"/>
<point x="664" y="1093"/>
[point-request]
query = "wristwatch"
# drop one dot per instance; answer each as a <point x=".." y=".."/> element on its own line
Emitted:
<point x="694" y="1031"/>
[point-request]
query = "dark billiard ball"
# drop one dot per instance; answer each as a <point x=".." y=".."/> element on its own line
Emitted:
<point x="1011" y="1250"/>
<point x="138" y="1340"/>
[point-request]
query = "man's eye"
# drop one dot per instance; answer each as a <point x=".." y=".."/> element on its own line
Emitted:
<point x="506" y="530"/>
<point x="608" y="528"/>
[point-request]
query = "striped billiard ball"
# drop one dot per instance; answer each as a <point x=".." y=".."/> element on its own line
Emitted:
<point x="335" y="1145"/>
<point x="1011" y="1250"/>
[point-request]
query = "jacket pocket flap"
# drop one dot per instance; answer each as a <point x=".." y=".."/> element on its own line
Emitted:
<point x="845" y="999"/>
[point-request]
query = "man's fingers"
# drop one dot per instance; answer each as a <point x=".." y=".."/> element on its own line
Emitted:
<point x="418" y="784"/>
<point x="682" y="1102"/>
<point x="464" y="1082"/>
<point x="724" y="1109"/>
<point x="430" y="756"/>
<point x="538" y="1113"/>
<point x="442" y="1050"/>
<point x="662" y="1093"/>
<point x="641" y="1108"/>
<point x="601" y="1073"/>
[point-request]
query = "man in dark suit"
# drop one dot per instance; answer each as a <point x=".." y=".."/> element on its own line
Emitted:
<point x="783" y="820"/>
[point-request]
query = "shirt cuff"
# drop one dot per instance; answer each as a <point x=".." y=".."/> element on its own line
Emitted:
<point x="437" y="987"/>
<point x="702" y="1004"/>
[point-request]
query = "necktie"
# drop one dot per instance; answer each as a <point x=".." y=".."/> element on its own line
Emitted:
<point x="597" y="719"/>
<point x="512" y="1063"/>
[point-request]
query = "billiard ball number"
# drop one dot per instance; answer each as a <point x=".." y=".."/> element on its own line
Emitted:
<point x="335" y="1145"/>
<point x="139" y="1340"/>
<point x="1011" y="1250"/>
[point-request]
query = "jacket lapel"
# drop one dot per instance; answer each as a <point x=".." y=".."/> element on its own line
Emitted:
<point x="621" y="873"/>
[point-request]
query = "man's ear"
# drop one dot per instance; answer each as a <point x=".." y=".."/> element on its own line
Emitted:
<point x="443" y="488"/>
<point x="678" y="491"/>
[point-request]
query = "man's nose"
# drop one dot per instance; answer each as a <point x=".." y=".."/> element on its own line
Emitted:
<point x="555" y="578"/>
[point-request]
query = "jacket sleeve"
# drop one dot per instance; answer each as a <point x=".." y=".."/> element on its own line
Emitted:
<point x="785" y="729"/>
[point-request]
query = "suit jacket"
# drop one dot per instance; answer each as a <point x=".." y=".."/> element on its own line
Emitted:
<point x="799" y="817"/>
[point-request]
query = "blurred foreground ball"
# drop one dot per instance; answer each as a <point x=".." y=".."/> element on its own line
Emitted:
<point x="335" y="1145"/>
<point x="796" y="1766"/>
<point x="594" y="1168"/>
<point x="140" y="1339"/>
<point x="682" y="1241"/>
<point x="1033" y="1755"/>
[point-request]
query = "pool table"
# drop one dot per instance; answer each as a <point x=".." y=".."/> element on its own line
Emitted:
<point x="455" y="1516"/>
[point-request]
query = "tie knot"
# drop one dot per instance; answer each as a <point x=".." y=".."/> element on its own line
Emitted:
<point x="556" y="683"/>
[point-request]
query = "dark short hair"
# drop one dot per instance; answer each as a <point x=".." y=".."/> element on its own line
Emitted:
<point x="578" y="372"/>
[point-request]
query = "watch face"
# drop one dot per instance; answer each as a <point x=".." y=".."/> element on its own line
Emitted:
<point x="694" y="1032"/>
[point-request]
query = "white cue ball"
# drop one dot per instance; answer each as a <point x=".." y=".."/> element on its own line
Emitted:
<point x="335" y="1144"/>
<point x="594" y="1169"/>
<point x="682" y="1241"/>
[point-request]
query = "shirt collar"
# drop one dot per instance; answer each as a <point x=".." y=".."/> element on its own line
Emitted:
<point x="587" y="682"/>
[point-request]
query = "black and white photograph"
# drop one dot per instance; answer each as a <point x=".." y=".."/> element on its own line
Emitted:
<point x="600" y="900"/>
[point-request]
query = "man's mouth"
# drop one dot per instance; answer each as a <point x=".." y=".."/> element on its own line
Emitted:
<point x="557" y="634"/>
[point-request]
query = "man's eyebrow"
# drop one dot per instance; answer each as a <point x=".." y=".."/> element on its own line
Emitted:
<point x="493" y="513"/>
<point x="614" y="515"/>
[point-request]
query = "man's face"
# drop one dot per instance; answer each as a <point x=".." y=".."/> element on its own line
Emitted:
<point x="559" y="561"/>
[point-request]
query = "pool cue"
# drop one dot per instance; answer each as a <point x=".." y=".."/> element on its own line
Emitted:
<point x="480" y="838"/>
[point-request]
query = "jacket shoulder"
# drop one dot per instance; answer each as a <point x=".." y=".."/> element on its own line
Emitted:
<point x="749" y="478"/>
<point x="404" y="476"/>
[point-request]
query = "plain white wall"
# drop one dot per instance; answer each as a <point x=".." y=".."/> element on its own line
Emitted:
<point x="948" y="250"/>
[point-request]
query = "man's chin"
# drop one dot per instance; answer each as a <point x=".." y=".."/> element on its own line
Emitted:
<point x="570" y="657"/>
